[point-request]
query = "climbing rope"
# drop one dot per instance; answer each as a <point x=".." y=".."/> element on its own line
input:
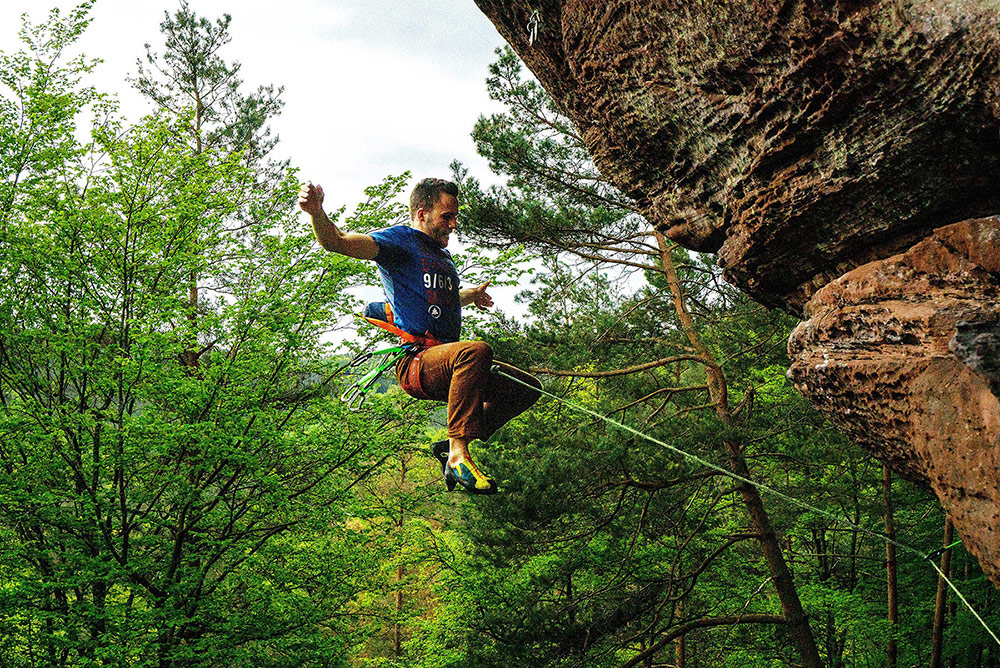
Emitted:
<point x="774" y="492"/>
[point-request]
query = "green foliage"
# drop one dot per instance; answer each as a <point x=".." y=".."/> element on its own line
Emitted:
<point x="191" y="74"/>
<point x="553" y="194"/>
<point x="191" y="83"/>
<point x="155" y="511"/>
<point x="39" y="108"/>
<point x="180" y="486"/>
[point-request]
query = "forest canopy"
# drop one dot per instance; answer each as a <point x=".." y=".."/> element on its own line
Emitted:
<point x="180" y="484"/>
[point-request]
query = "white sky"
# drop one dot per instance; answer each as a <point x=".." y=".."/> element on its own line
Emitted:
<point x="372" y="87"/>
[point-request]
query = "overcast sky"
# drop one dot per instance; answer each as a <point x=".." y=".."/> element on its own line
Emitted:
<point x="372" y="87"/>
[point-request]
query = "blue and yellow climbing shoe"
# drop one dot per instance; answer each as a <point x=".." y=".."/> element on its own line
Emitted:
<point x="469" y="477"/>
<point x="440" y="451"/>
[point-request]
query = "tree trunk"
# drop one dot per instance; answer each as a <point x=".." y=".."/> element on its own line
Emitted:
<point x="191" y="355"/>
<point x="679" y="643"/>
<point x="397" y="630"/>
<point x="937" y="636"/>
<point x="892" y="591"/>
<point x="791" y="606"/>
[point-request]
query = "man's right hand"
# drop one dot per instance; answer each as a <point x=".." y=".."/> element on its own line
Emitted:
<point x="311" y="199"/>
<point x="360" y="246"/>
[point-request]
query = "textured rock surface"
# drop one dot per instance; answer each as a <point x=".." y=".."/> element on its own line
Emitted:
<point x="799" y="139"/>
<point x="978" y="345"/>
<point x="902" y="354"/>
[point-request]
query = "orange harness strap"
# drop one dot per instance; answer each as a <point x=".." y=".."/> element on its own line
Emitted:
<point x="426" y="341"/>
<point x="409" y="379"/>
<point x="389" y="325"/>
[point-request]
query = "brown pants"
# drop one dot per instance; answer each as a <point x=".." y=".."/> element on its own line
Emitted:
<point x="479" y="402"/>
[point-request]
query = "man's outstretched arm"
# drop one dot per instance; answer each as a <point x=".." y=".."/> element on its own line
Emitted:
<point x="329" y="236"/>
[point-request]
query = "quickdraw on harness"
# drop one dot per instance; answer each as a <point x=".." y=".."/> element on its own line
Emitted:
<point x="380" y="315"/>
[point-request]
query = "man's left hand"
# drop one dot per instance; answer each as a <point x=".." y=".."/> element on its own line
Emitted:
<point x="477" y="296"/>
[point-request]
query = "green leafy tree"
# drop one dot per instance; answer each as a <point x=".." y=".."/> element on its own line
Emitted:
<point x="192" y="84"/>
<point x="190" y="81"/>
<point x="40" y="108"/>
<point x="153" y="513"/>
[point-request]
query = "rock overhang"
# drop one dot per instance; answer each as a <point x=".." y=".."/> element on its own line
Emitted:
<point x="797" y="140"/>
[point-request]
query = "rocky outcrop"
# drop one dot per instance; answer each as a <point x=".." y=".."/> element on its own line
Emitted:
<point x="903" y="355"/>
<point x="797" y="139"/>
<point x="829" y="152"/>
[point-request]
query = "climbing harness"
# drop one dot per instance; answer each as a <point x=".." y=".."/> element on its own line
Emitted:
<point x="380" y="314"/>
<point x="802" y="504"/>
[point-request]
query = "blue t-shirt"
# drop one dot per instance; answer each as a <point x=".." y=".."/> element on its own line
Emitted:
<point x="421" y="283"/>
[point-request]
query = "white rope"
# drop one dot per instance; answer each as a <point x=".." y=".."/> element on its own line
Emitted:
<point x="962" y="598"/>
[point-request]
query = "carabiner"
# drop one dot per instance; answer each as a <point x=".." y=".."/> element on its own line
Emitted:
<point x="360" y="359"/>
<point x="353" y="396"/>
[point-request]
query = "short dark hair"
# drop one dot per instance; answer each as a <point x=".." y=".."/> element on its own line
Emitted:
<point x="426" y="193"/>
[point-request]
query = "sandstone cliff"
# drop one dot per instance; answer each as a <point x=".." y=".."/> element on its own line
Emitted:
<point x="902" y="355"/>
<point x="810" y="142"/>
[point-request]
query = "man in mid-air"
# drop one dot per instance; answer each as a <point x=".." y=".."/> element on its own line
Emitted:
<point x="424" y="301"/>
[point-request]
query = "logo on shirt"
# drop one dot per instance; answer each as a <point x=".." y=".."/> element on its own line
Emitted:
<point x="434" y="310"/>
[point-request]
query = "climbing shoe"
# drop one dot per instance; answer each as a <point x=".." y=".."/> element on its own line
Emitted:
<point x="469" y="477"/>
<point x="440" y="450"/>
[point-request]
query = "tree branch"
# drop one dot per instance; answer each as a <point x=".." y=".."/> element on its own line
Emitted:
<point x="705" y="622"/>
<point x="620" y="372"/>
